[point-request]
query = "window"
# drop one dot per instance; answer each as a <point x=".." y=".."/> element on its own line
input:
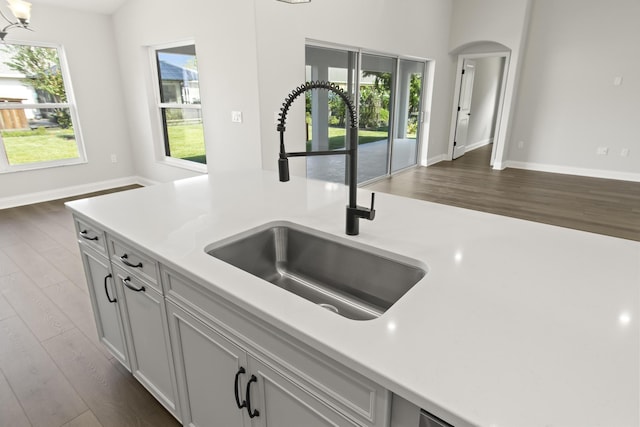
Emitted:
<point x="38" y="123"/>
<point x="178" y="103"/>
<point x="389" y="103"/>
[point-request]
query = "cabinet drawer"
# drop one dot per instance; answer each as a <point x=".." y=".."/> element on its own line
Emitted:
<point x="91" y="235"/>
<point x="339" y="387"/>
<point x="135" y="262"/>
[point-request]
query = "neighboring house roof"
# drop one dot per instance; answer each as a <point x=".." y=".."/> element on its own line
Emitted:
<point x="173" y="72"/>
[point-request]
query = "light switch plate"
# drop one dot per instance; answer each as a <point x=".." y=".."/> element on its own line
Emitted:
<point x="236" y="116"/>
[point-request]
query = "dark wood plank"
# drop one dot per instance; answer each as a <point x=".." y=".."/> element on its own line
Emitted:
<point x="11" y="413"/>
<point x="34" y="265"/>
<point x="85" y="420"/>
<point x="111" y="396"/>
<point x="5" y="310"/>
<point x="43" y="392"/>
<point x="75" y="303"/>
<point x="6" y="265"/>
<point x="602" y="206"/>
<point x="67" y="262"/>
<point x="34" y="307"/>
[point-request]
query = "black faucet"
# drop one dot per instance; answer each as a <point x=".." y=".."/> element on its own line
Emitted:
<point x="354" y="212"/>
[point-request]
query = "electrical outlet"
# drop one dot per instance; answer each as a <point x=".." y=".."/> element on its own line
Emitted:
<point x="520" y="144"/>
<point x="602" y="151"/>
<point x="624" y="152"/>
<point x="236" y="116"/>
<point x="114" y="158"/>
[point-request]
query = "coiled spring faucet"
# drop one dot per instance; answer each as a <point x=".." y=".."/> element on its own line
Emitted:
<point x="354" y="212"/>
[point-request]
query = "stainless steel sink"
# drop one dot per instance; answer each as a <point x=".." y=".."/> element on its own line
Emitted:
<point x="354" y="280"/>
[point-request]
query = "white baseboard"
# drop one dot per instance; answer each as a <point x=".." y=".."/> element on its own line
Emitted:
<point x="61" y="193"/>
<point x="479" y="144"/>
<point x="567" y="170"/>
<point x="437" y="159"/>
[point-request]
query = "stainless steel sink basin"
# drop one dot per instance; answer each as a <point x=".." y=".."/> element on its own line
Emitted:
<point x="354" y="280"/>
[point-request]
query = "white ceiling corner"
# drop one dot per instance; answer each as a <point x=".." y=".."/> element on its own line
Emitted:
<point x="98" y="6"/>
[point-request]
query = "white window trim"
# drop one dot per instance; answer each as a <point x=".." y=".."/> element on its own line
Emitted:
<point x="156" y="115"/>
<point x="5" y="167"/>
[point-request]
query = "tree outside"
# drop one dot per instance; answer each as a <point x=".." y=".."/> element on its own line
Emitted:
<point x="41" y="66"/>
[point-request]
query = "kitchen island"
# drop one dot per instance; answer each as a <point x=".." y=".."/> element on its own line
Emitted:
<point x="516" y="324"/>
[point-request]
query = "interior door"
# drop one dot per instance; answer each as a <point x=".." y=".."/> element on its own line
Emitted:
<point x="464" y="108"/>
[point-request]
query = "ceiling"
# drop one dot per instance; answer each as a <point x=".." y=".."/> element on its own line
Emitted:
<point x="99" y="6"/>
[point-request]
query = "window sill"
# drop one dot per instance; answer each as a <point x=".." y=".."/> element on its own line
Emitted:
<point x="184" y="164"/>
<point x="29" y="167"/>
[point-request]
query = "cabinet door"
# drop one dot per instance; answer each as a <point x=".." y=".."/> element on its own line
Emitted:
<point x="209" y="370"/>
<point x="148" y="334"/>
<point x="281" y="402"/>
<point x="105" y="304"/>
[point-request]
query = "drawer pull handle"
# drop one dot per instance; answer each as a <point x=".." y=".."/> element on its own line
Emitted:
<point x="106" y="289"/>
<point x="127" y="283"/>
<point x="124" y="258"/>
<point x="84" y="235"/>
<point x="235" y="389"/>
<point x="252" y="412"/>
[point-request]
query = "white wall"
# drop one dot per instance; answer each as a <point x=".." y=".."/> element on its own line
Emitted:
<point x="225" y="41"/>
<point x="498" y="21"/>
<point x="484" y="101"/>
<point x="88" y="42"/>
<point x="568" y="103"/>
<point x="410" y="27"/>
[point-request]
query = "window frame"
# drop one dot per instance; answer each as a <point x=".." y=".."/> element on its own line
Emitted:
<point x="160" y="137"/>
<point x="71" y="105"/>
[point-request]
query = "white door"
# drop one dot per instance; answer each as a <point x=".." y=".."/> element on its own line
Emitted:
<point x="276" y="400"/>
<point x="105" y="304"/>
<point x="464" y="108"/>
<point x="212" y="373"/>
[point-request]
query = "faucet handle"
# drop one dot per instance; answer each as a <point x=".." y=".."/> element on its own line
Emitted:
<point x="372" y="210"/>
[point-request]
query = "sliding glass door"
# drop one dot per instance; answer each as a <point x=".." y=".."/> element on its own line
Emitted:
<point x="408" y="115"/>
<point x="326" y="114"/>
<point x="388" y="103"/>
<point x="377" y="93"/>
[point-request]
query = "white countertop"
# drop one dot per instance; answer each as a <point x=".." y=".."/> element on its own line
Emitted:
<point x="516" y="324"/>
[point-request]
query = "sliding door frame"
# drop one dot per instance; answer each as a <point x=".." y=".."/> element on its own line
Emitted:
<point x="421" y="139"/>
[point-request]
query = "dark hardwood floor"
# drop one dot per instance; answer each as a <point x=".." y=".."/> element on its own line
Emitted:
<point x="53" y="370"/>
<point x="603" y="206"/>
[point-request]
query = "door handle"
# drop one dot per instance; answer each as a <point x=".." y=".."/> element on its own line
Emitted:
<point x="127" y="283"/>
<point x="106" y="289"/>
<point x="124" y="257"/>
<point x="252" y="412"/>
<point x="84" y="235"/>
<point x="235" y="389"/>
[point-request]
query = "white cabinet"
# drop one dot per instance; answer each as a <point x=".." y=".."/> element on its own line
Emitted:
<point x="208" y="368"/>
<point x="224" y="385"/>
<point x="231" y="364"/>
<point x="209" y="362"/>
<point x="146" y="329"/>
<point x="278" y="400"/>
<point x="129" y="309"/>
<point x="105" y="302"/>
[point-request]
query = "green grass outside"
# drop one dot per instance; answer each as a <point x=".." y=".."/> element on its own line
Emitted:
<point x="337" y="137"/>
<point x="39" y="145"/>
<point x="187" y="142"/>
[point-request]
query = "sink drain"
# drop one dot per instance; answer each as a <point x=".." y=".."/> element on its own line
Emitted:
<point x="330" y="307"/>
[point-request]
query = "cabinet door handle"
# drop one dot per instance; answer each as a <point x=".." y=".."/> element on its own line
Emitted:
<point x="106" y="288"/>
<point x="252" y="412"/>
<point x="235" y="389"/>
<point x="124" y="258"/>
<point x="84" y="235"/>
<point x="127" y="283"/>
